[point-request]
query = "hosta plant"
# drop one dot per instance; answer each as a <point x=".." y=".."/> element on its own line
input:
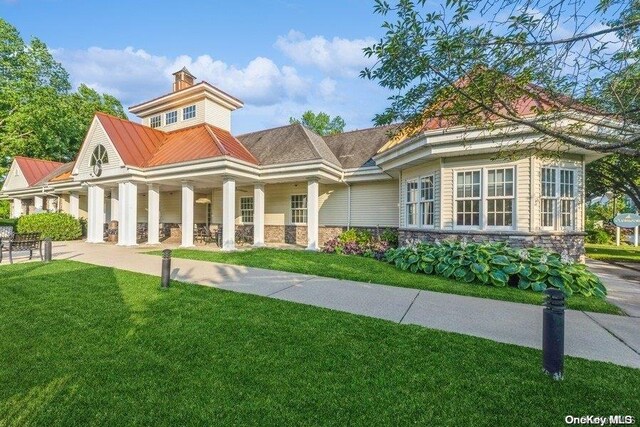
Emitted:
<point x="498" y="264"/>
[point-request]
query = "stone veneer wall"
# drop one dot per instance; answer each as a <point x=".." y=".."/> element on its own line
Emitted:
<point x="572" y="242"/>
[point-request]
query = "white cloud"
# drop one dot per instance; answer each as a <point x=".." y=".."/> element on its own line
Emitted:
<point x="337" y="56"/>
<point x="327" y="88"/>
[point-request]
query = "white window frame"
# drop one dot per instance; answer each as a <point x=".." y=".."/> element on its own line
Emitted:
<point x="246" y="209"/>
<point x="174" y="113"/>
<point x="485" y="207"/>
<point x="185" y="112"/>
<point x="412" y="202"/>
<point x="558" y="198"/>
<point x="427" y="199"/>
<point x="153" y="118"/>
<point x="478" y="198"/>
<point x="300" y="210"/>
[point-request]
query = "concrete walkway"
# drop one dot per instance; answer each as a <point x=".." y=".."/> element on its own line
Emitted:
<point x="622" y="283"/>
<point x="592" y="336"/>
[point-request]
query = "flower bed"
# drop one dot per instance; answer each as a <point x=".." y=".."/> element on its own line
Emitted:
<point x="362" y="243"/>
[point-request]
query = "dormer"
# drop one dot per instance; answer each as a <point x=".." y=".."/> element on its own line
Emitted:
<point x="189" y="104"/>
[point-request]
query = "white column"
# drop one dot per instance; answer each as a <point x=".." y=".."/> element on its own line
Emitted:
<point x="95" y="222"/>
<point x="228" y="214"/>
<point x="74" y="204"/>
<point x="38" y="203"/>
<point x="127" y="214"/>
<point x="312" y="214"/>
<point x="17" y="208"/>
<point x="187" y="214"/>
<point x="153" y="215"/>
<point x="115" y="204"/>
<point x="258" y="215"/>
<point x="636" y="236"/>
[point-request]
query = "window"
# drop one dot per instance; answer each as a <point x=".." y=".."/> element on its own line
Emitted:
<point x="299" y="209"/>
<point x="426" y="201"/>
<point x="468" y="199"/>
<point x="171" y="117"/>
<point x="99" y="156"/>
<point x="246" y="210"/>
<point x="189" y="112"/>
<point x="412" y="202"/>
<point x="557" y="207"/>
<point x="155" y="121"/>
<point x="500" y="197"/>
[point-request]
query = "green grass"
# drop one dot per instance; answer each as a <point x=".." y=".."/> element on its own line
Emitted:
<point x="88" y="345"/>
<point x="372" y="271"/>
<point x="613" y="253"/>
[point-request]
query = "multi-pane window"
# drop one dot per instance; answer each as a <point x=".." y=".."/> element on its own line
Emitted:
<point x="171" y="117"/>
<point x="426" y="200"/>
<point x="412" y="202"/>
<point x="567" y="197"/>
<point x="468" y="198"/>
<point x="246" y="209"/>
<point x="189" y="112"/>
<point x="155" y="121"/>
<point x="99" y="156"/>
<point x="500" y="197"/>
<point x="557" y="205"/>
<point x="299" y="209"/>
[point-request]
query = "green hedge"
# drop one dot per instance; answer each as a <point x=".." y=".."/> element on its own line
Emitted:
<point x="497" y="264"/>
<point x="10" y="222"/>
<point x="57" y="226"/>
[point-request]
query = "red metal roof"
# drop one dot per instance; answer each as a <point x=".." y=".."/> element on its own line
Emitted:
<point x="35" y="169"/>
<point x="142" y="146"/>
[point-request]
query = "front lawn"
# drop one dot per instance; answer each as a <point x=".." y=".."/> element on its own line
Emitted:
<point x="369" y="270"/>
<point x="623" y="253"/>
<point x="88" y="345"/>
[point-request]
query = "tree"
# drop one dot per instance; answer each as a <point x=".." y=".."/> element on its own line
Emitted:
<point x="40" y="116"/>
<point x="320" y="123"/>
<point x="473" y="62"/>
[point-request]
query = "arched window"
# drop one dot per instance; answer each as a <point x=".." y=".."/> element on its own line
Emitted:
<point x="100" y="156"/>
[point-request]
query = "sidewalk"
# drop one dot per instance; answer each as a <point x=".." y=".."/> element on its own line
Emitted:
<point x="589" y="335"/>
<point x="622" y="283"/>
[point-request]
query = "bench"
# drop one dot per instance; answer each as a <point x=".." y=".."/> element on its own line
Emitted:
<point x="21" y="242"/>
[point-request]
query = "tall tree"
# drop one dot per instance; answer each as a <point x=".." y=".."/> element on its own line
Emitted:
<point x="320" y="123"/>
<point x="40" y="116"/>
<point x="469" y="62"/>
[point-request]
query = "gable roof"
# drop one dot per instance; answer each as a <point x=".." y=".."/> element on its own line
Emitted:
<point x="356" y="148"/>
<point x="61" y="173"/>
<point x="34" y="170"/>
<point x="142" y="146"/>
<point x="287" y="144"/>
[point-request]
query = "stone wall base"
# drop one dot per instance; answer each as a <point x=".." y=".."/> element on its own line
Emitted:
<point x="572" y="242"/>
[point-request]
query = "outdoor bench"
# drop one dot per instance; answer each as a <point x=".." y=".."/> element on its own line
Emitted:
<point x="21" y="242"/>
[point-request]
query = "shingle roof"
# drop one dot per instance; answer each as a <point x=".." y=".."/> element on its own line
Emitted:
<point x="142" y="146"/>
<point x="35" y="169"/>
<point x="356" y="148"/>
<point x="287" y="144"/>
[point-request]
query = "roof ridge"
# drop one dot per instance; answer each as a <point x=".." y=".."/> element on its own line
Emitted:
<point x="100" y="113"/>
<point x="362" y="130"/>
<point x="202" y="82"/>
<point x="306" y="134"/>
<point x="216" y="141"/>
<point x="268" y="129"/>
<point x="38" y="160"/>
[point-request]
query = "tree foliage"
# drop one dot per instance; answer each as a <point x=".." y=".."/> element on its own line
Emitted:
<point x="320" y="123"/>
<point x="40" y="115"/>
<point x="473" y="62"/>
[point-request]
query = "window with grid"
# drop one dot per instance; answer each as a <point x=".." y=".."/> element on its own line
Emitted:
<point x="299" y="209"/>
<point x="189" y="112"/>
<point x="426" y="201"/>
<point x="246" y="210"/>
<point x="412" y="202"/>
<point x="500" y="196"/>
<point x="171" y="117"/>
<point x="567" y="198"/>
<point x="468" y="198"/>
<point x="155" y="121"/>
<point x="548" y="198"/>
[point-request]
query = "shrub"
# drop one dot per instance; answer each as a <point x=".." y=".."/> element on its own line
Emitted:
<point x="9" y="222"/>
<point x="362" y="242"/>
<point x="596" y="233"/>
<point x="57" y="226"/>
<point x="498" y="264"/>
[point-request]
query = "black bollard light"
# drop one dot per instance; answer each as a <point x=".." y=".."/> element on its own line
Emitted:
<point x="47" y="249"/>
<point x="553" y="334"/>
<point x="166" y="268"/>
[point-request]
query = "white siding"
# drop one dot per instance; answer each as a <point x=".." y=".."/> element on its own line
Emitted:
<point x="15" y="179"/>
<point x="217" y="115"/>
<point x="96" y="137"/>
<point x="333" y="201"/>
<point x="374" y="204"/>
<point x="198" y="119"/>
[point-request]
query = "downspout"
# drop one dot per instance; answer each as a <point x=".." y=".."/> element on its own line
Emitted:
<point x="532" y="199"/>
<point x="348" y="205"/>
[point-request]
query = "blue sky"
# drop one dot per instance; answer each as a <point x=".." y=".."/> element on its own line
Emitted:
<point x="281" y="57"/>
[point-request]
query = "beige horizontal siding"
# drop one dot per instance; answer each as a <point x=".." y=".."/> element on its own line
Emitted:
<point x="15" y="179"/>
<point x="96" y="137"/>
<point x="374" y="204"/>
